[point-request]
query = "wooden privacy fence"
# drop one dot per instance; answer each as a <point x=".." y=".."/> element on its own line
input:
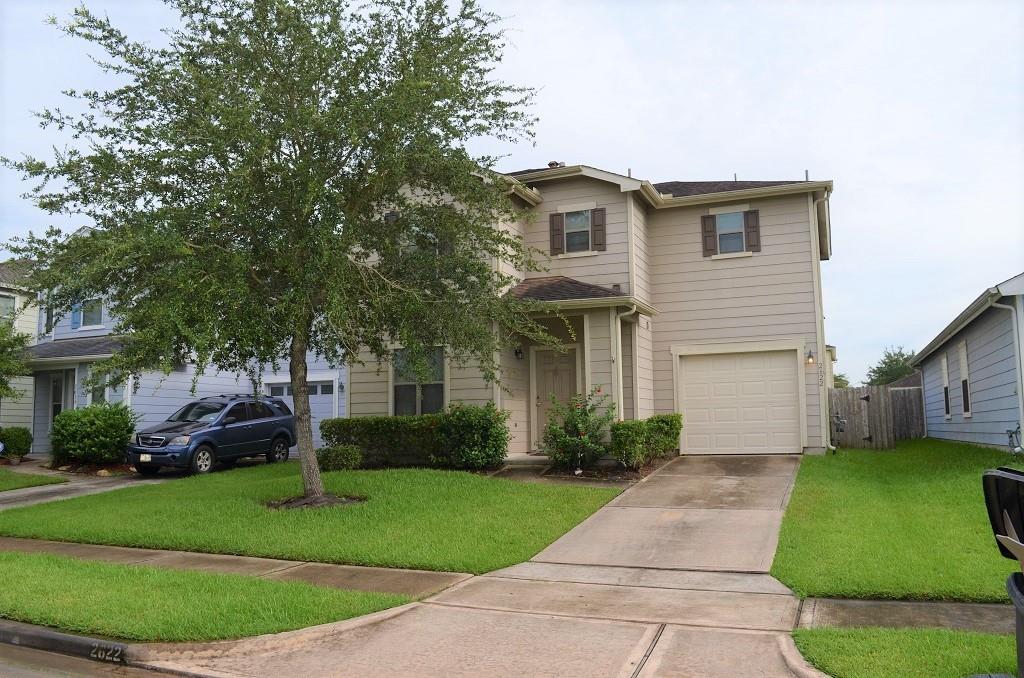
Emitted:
<point x="875" y="416"/>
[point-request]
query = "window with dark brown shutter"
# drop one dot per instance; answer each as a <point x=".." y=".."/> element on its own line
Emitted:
<point x="752" y="230"/>
<point x="598" y="232"/>
<point x="556" y="225"/>
<point x="709" y="236"/>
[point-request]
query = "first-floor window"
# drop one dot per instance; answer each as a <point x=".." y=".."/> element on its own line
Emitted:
<point x="965" y="379"/>
<point x="945" y="385"/>
<point x="7" y="304"/>
<point x="412" y="396"/>
<point x="277" y="390"/>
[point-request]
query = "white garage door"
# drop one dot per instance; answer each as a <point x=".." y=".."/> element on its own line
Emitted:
<point x="740" y="403"/>
<point x="321" y="403"/>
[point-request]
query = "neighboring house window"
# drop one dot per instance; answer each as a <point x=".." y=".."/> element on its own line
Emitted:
<point x="7" y="304"/>
<point x="945" y="385"/>
<point x="87" y="314"/>
<point x="277" y="391"/>
<point x="730" y="233"/>
<point x="965" y="378"/>
<point x="48" y="329"/>
<point x="578" y="231"/>
<point x="412" y="396"/>
<point x="326" y="389"/>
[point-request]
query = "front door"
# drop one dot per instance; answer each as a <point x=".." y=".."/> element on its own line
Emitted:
<point x="556" y="375"/>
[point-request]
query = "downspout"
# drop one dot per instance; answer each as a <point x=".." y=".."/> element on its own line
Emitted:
<point x="828" y="419"/>
<point x="619" y="395"/>
<point x="1020" y="361"/>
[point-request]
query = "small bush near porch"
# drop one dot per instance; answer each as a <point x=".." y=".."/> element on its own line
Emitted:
<point x="412" y="518"/>
<point x="908" y="523"/>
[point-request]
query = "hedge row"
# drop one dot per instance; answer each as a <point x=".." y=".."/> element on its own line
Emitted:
<point x="636" y="442"/>
<point x="17" y="441"/>
<point x="96" y="434"/>
<point x="463" y="437"/>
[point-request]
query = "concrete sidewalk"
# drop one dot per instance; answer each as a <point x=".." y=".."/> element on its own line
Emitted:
<point x="669" y="579"/>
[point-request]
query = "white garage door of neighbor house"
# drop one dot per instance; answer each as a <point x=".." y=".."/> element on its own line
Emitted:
<point x="740" y="403"/>
<point x="321" y="403"/>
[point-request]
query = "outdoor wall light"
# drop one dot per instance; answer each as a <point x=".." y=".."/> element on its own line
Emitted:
<point x="810" y="357"/>
<point x="518" y="352"/>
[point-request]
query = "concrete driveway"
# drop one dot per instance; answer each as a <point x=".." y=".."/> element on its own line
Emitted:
<point x="669" y="579"/>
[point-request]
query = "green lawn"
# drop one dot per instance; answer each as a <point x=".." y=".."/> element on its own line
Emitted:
<point x="908" y="653"/>
<point x="414" y="518"/>
<point x="906" y="523"/>
<point x="10" y="480"/>
<point x="135" y="602"/>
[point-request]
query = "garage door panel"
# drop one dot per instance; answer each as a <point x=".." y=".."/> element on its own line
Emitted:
<point x="740" y="403"/>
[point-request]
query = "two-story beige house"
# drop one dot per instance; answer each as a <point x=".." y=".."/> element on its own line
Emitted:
<point x="702" y="298"/>
<point x="17" y="411"/>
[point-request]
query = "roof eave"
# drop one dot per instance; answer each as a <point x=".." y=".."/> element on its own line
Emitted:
<point x="641" y="306"/>
<point x="976" y="308"/>
<point x="69" y="358"/>
<point x="664" y="200"/>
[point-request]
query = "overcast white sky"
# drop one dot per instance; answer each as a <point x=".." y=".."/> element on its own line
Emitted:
<point x="914" y="109"/>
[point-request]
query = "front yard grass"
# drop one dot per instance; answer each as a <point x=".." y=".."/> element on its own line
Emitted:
<point x="10" y="480"/>
<point x="908" y="523"/>
<point x="412" y="518"/>
<point x="135" y="602"/>
<point x="908" y="653"/>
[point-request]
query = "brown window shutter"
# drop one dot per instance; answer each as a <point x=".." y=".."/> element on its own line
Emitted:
<point x="709" y="236"/>
<point x="557" y="228"/>
<point x="752" y="230"/>
<point x="598" y="231"/>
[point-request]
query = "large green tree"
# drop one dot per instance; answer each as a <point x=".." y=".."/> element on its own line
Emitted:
<point x="12" y="359"/>
<point x="894" y="364"/>
<point x="288" y="176"/>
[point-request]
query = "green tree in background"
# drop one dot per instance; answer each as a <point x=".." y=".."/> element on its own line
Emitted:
<point x="286" y="177"/>
<point x="841" y="380"/>
<point x="12" y="359"/>
<point x="894" y="365"/>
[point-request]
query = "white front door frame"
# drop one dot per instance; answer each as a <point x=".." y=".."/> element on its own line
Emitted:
<point x="799" y="346"/>
<point x="534" y="437"/>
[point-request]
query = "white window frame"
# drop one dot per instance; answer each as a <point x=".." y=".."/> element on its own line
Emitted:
<point x="96" y="326"/>
<point x="743" y="235"/>
<point x="315" y="376"/>
<point x="445" y="384"/>
<point x="589" y="231"/>
<point x="946" y="405"/>
<point x="14" y="306"/>
<point x="965" y="381"/>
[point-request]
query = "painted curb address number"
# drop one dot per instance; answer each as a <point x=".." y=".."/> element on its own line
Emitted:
<point x="107" y="653"/>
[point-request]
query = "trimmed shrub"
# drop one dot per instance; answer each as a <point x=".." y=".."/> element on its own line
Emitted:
<point x="96" y="434"/>
<point x="339" y="458"/>
<point x="17" y="441"/>
<point x="631" y="442"/>
<point x="576" y="431"/>
<point x="473" y="437"/>
<point x="388" y="442"/>
<point x="663" y="433"/>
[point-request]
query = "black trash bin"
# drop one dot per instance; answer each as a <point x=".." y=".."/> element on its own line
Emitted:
<point x="1004" y="499"/>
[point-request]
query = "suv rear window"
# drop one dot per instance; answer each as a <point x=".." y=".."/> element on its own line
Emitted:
<point x="258" y="410"/>
<point x="282" y="406"/>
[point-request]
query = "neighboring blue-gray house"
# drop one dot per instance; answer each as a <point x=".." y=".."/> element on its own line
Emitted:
<point x="66" y="347"/>
<point x="972" y="369"/>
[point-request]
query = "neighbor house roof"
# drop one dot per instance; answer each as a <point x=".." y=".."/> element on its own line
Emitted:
<point x="1012" y="286"/>
<point x="13" y="272"/>
<point x="560" y="288"/>
<point x="88" y="347"/>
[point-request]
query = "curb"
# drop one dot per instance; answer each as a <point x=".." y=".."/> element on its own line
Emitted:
<point x="42" y="638"/>
<point x="795" y="661"/>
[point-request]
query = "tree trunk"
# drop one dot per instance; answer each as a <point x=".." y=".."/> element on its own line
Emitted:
<point x="312" y="485"/>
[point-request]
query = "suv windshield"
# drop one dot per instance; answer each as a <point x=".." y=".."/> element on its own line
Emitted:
<point x="201" y="411"/>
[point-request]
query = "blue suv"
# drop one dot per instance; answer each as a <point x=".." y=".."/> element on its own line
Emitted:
<point x="221" y="429"/>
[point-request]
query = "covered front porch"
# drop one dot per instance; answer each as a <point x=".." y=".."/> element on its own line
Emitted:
<point x="605" y="345"/>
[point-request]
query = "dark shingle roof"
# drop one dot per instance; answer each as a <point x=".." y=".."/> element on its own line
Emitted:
<point x="13" y="271"/>
<point x="73" y="348"/>
<point x="684" y="188"/>
<point x="559" y="288"/>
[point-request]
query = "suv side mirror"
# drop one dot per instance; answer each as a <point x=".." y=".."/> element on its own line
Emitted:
<point x="229" y="420"/>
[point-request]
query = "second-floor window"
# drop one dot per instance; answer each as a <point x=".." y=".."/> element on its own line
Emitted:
<point x="577" y="231"/>
<point x="729" y="229"/>
<point x="7" y="304"/>
<point x="730" y="233"/>
<point x="87" y="314"/>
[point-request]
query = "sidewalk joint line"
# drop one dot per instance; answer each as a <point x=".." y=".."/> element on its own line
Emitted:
<point x="650" y="650"/>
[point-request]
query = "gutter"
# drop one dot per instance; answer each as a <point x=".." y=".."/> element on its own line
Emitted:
<point x="1020" y="362"/>
<point x="69" y="359"/>
<point x="599" y="302"/>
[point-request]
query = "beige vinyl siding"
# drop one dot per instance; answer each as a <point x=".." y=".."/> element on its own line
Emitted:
<point x="601" y="351"/>
<point x="368" y="388"/>
<point x="517" y="228"/>
<point x="466" y="384"/>
<point x="515" y="399"/>
<point x="641" y="256"/>
<point x="628" y="362"/>
<point x="599" y="268"/>
<point x="767" y="296"/>
<point x="645" y="368"/>
<point x="18" y="411"/>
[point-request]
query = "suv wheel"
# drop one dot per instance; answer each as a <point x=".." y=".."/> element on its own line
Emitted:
<point x="202" y="459"/>
<point x="278" y="451"/>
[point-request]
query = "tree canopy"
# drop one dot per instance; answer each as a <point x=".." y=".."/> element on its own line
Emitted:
<point x="287" y="176"/>
<point x="893" y="365"/>
<point x="841" y="380"/>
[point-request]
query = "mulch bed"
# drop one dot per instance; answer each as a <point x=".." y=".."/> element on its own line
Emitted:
<point x="615" y="473"/>
<point x="94" y="469"/>
<point x="314" y="502"/>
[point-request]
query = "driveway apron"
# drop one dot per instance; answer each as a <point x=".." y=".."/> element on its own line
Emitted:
<point x="669" y="579"/>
